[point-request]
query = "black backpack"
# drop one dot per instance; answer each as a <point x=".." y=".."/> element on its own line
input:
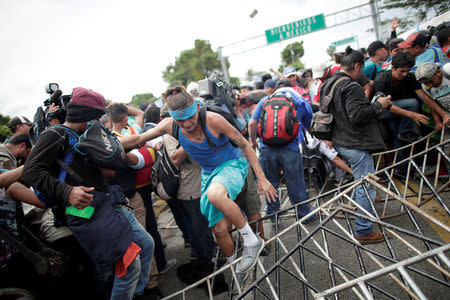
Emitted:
<point x="101" y="147"/>
<point x="314" y="165"/>
<point x="165" y="175"/>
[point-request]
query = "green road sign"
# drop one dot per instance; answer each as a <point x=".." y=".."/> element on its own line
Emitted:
<point x="343" y="42"/>
<point x="296" y="28"/>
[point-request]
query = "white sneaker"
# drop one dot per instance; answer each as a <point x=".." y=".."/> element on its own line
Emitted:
<point x="249" y="256"/>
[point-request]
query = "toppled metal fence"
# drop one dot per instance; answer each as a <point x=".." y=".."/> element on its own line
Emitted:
<point x="323" y="260"/>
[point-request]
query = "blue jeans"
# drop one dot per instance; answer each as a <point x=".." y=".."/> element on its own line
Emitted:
<point x="138" y="272"/>
<point x="400" y="124"/>
<point x="361" y="163"/>
<point x="272" y="159"/>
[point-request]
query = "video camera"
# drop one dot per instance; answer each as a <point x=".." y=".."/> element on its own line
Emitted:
<point x="217" y="92"/>
<point x="58" y="99"/>
<point x="43" y="116"/>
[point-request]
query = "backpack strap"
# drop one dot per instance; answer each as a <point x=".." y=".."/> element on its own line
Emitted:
<point x="69" y="155"/>
<point x="202" y="120"/>
<point x="325" y="106"/>
<point x="175" y="130"/>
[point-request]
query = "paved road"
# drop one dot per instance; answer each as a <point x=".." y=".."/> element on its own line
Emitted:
<point x="340" y="250"/>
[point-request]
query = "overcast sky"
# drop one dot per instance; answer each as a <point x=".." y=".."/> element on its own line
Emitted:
<point x="120" y="48"/>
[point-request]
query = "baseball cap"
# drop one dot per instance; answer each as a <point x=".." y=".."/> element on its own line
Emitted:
<point x="288" y="71"/>
<point x="374" y="46"/>
<point x="318" y="70"/>
<point x="270" y="83"/>
<point x="393" y="43"/>
<point x="18" y="120"/>
<point x="426" y="70"/>
<point x="414" y="39"/>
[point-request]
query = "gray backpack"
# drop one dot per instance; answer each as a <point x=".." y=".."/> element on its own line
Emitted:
<point x="322" y="121"/>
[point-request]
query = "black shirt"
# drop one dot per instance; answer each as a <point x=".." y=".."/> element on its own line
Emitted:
<point x="404" y="89"/>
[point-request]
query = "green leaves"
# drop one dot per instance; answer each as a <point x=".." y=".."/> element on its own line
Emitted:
<point x="193" y="64"/>
<point x="142" y="98"/>
<point x="422" y="7"/>
<point x="291" y="55"/>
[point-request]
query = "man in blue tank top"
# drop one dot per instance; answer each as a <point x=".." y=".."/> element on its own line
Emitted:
<point x="224" y="169"/>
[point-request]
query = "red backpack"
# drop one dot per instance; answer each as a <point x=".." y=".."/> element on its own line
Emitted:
<point x="278" y="124"/>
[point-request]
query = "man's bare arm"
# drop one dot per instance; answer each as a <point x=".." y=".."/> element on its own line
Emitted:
<point x="132" y="141"/>
<point x="434" y="106"/>
<point x="9" y="177"/>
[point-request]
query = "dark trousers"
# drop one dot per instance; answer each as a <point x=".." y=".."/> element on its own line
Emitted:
<point x="182" y="218"/>
<point x="202" y="238"/>
<point x="151" y="225"/>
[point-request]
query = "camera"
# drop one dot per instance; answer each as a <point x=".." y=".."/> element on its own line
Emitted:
<point x="217" y="92"/>
<point x="58" y="99"/>
<point x="43" y="115"/>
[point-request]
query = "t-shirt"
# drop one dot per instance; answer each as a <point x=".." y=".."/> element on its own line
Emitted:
<point x="371" y="69"/>
<point x="441" y="93"/>
<point x="432" y="54"/>
<point x="7" y="159"/>
<point x="304" y="115"/>
<point x="314" y="90"/>
<point x="303" y="92"/>
<point x="402" y="90"/>
<point x="329" y="153"/>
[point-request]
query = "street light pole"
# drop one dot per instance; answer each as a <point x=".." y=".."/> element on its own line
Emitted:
<point x="224" y="66"/>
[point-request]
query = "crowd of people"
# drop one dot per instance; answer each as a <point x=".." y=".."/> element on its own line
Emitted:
<point x="102" y="220"/>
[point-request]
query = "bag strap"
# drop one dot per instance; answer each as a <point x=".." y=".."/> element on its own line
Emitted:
<point x="334" y="85"/>
<point x="324" y="107"/>
<point x="175" y="130"/>
<point x="202" y="120"/>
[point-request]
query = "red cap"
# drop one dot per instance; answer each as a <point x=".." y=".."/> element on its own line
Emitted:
<point x="414" y="39"/>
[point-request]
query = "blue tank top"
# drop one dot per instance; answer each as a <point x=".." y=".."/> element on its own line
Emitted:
<point x="209" y="157"/>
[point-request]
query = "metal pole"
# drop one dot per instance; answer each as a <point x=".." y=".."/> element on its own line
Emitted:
<point x="224" y="66"/>
<point x="374" y="11"/>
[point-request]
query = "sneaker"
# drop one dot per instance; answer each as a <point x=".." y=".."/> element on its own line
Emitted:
<point x="170" y="263"/>
<point x="249" y="256"/>
<point x="409" y="137"/>
<point x="374" y="237"/>
<point x="241" y="278"/>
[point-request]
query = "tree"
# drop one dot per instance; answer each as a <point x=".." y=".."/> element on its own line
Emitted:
<point x="291" y="55"/>
<point x="142" y="98"/>
<point x="194" y="64"/>
<point x="331" y="51"/>
<point x="420" y="8"/>
<point x="4" y="129"/>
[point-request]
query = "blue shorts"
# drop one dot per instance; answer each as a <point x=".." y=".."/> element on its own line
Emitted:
<point x="230" y="174"/>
